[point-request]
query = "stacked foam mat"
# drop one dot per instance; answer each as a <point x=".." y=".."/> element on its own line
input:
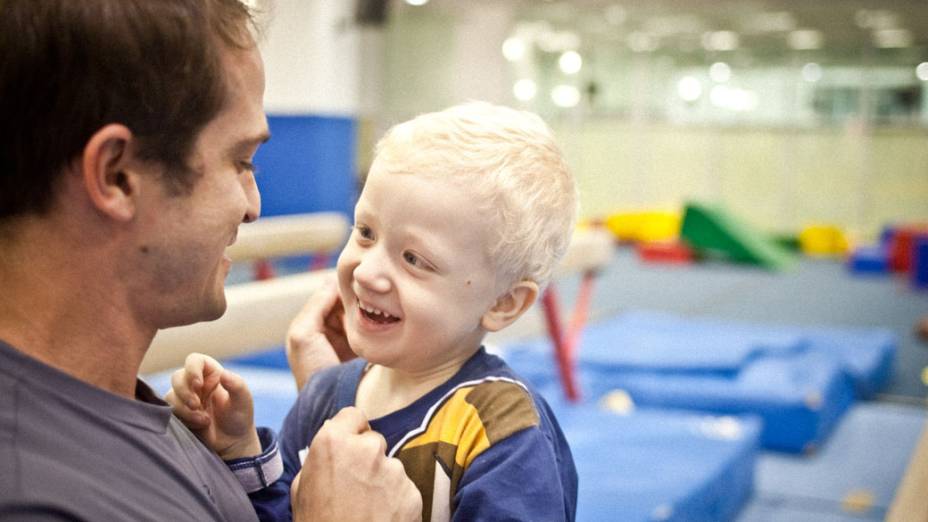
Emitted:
<point x="799" y="381"/>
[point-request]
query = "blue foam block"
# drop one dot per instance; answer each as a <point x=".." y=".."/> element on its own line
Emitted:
<point x="661" y="340"/>
<point x="920" y="264"/>
<point x="869" y="260"/>
<point x="800" y="397"/>
<point x="656" y="465"/>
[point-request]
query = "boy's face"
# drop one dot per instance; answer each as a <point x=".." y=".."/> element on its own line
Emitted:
<point x="415" y="277"/>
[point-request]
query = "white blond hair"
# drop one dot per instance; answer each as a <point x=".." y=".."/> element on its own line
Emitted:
<point x="511" y="163"/>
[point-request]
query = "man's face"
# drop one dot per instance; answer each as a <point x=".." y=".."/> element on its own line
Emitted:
<point x="180" y="250"/>
<point x="415" y="277"/>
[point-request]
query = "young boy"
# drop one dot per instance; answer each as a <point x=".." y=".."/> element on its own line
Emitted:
<point x="463" y="216"/>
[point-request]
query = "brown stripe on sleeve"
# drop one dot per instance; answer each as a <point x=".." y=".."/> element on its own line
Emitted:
<point x="504" y="408"/>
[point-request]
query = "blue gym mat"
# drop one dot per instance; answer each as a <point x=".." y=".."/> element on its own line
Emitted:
<point x="661" y="341"/>
<point x="656" y="465"/>
<point x="798" y="380"/>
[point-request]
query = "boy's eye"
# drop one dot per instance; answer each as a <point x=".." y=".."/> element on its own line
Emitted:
<point x="418" y="262"/>
<point x="364" y="231"/>
<point x="413" y="259"/>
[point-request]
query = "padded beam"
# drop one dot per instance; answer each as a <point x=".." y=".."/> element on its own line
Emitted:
<point x="910" y="502"/>
<point x="319" y="232"/>
<point x="589" y="249"/>
<point x="257" y="317"/>
<point x="258" y="313"/>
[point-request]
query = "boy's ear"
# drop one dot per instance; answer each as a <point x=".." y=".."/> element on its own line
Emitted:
<point x="105" y="172"/>
<point x="510" y="306"/>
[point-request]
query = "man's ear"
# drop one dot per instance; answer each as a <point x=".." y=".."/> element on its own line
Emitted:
<point x="510" y="306"/>
<point x="104" y="170"/>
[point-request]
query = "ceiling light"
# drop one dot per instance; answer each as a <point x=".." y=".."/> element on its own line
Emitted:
<point x="922" y="71"/>
<point x="570" y="62"/>
<point x="689" y="88"/>
<point x="524" y="89"/>
<point x="513" y="48"/>
<point x="720" y="72"/>
<point x="720" y="41"/>
<point x="565" y="96"/>
<point x="805" y="39"/>
<point x="876" y="19"/>
<point x="892" y="38"/>
<point x="812" y="72"/>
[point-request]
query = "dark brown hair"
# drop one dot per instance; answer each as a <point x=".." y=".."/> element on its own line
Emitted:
<point x="69" y="67"/>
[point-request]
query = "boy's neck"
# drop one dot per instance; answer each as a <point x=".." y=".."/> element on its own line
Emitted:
<point x="384" y="390"/>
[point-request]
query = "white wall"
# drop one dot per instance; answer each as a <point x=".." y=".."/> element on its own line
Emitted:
<point x="311" y="57"/>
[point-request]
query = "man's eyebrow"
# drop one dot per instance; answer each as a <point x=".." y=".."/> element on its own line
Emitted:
<point x="246" y="143"/>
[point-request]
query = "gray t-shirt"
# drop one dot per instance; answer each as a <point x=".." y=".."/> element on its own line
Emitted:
<point x="71" y="451"/>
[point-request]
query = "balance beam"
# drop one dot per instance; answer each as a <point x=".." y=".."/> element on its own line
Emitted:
<point x="258" y="313"/>
<point x="257" y="317"/>
<point x="909" y="503"/>
<point x="318" y="232"/>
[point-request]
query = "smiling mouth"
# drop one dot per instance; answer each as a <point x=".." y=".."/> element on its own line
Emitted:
<point x="376" y="315"/>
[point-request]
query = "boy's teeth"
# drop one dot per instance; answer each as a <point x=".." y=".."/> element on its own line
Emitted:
<point x="372" y="310"/>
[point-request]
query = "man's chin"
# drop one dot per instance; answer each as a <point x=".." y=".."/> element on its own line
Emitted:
<point x="205" y="313"/>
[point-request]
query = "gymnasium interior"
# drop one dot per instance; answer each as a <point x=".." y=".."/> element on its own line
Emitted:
<point x="734" y="333"/>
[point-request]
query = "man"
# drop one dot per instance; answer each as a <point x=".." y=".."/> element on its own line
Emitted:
<point x="127" y="129"/>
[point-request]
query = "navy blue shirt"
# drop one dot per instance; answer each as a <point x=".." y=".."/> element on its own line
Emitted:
<point x="481" y="446"/>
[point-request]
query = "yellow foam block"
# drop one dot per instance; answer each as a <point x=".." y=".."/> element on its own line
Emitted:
<point x="644" y="226"/>
<point x="823" y="240"/>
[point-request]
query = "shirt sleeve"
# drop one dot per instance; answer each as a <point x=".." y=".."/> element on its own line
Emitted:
<point x="518" y="478"/>
<point x="255" y="473"/>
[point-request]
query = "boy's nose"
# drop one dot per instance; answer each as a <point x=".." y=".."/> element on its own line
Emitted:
<point x="371" y="273"/>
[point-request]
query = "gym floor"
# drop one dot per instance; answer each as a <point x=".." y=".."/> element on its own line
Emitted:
<point x="855" y="474"/>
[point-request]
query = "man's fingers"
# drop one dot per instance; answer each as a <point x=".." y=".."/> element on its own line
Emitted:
<point x="349" y="420"/>
<point x="376" y="441"/>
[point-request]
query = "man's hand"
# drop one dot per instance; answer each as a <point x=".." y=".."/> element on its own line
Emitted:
<point x="316" y="337"/>
<point x="348" y="477"/>
<point x="216" y="405"/>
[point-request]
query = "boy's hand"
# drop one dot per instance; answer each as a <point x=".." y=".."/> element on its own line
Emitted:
<point x="316" y="337"/>
<point x="348" y="477"/>
<point x="216" y="405"/>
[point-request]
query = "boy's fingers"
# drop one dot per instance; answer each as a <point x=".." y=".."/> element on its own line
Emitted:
<point x="180" y="388"/>
<point x="194" y="419"/>
<point x="239" y="396"/>
<point x="203" y="372"/>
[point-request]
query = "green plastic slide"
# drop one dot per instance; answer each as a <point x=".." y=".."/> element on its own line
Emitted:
<point x="712" y="231"/>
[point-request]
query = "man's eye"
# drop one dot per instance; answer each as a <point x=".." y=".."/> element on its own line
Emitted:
<point x="247" y="166"/>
